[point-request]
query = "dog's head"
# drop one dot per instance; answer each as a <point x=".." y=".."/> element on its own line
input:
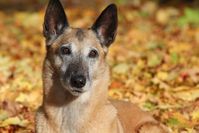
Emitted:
<point x="78" y="55"/>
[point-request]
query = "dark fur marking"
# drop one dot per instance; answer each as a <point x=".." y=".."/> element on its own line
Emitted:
<point x="80" y="34"/>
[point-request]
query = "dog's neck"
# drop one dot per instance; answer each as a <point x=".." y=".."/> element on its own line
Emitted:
<point x="76" y="109"/>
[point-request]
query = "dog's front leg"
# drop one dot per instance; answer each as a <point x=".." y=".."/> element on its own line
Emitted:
<point x="42" y="125"/>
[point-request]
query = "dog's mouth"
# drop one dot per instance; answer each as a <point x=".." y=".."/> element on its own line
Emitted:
<point x="76" y="92"/>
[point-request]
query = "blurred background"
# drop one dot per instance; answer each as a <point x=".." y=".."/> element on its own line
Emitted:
<point x="154" y="61"/>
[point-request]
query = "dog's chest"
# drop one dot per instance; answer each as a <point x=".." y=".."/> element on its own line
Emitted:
<point x="75" y="120"/>
<point x="70" y="119"/>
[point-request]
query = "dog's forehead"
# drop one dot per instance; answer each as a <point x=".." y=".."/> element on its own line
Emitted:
<point x="78" y="37"/>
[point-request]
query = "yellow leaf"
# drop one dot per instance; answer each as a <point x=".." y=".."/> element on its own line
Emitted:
<point x="14" y="121"/>
<point x="122" y="68"/>
<point x="195" y="115"/>
<point x="162" y="75"/>
<point x="22" y="98"/>
<point x="188" y="95"/>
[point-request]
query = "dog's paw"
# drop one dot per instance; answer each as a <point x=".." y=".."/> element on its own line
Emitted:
<point x="151" y="127"/>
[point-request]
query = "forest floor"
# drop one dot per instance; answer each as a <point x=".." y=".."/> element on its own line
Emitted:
<point x="154" y="63"/>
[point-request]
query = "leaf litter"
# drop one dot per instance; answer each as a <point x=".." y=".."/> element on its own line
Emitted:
<point x="154" y="63"/>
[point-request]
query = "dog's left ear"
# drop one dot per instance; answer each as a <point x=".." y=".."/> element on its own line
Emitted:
<point x="55" y="20"/>
<point x="105" y="26"/>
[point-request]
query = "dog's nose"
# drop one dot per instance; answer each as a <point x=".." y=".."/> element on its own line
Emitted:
<point x="78" y="81"/>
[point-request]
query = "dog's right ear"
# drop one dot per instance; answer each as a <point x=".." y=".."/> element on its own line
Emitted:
<point x="105" y="26"/>
<point x="55" y="20"/>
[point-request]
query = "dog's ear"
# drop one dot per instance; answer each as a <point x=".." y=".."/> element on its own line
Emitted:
<point x="105" y="26"/>
<point x="55" y="20"/>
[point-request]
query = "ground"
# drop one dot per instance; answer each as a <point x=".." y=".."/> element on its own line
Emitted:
<point x="154" y="63"/>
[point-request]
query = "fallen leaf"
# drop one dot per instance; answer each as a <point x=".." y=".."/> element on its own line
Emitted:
<point x="188" y="95"/>
<point x="14" y="121"/>
<point x="122" y="68"/>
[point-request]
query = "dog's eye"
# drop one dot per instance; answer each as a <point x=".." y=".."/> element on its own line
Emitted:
<point x="65" y="51"/>
<point x="93" y="54"/>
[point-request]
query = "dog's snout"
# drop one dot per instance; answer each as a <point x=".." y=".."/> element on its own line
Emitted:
<point x="78" y="81"/>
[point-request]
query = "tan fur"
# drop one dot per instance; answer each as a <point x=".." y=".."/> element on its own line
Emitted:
<point x="91" y="112"/>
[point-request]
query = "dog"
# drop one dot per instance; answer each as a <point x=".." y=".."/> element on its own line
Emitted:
<point x="76" y="78"/>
